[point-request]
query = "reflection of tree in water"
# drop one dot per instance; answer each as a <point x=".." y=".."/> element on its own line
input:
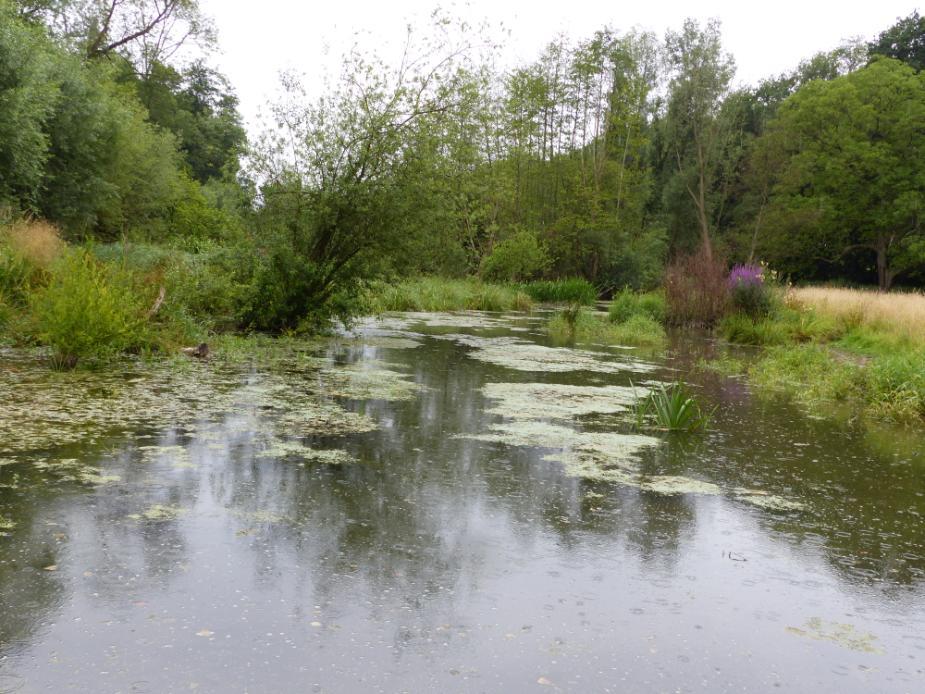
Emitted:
<point x="426" y="520"/>
<point x="863" y="501"/>
<point x="28" y="593"/>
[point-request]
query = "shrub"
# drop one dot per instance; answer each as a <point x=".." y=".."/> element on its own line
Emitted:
<point x="748" y="292"/>
<point x="628" y="303"/>
<point x="87" y="310"/>
<point x="696" y="293"/>
<point x="516" y="259"/>
<point x="572" y="290"/>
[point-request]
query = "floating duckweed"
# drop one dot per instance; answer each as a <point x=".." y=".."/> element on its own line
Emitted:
<point x="592" y="455"/>
<point x="770" y="502"/>
<point x="843" y="634"/>
<point x="73" y="470"/>
<point x="258" y="516"/>
<point x="177" y="455"/>
<point x="459" y="319"/>
<point x="286" y="449"/>
<point x="517" y="354"/>
<point x="368" y="380"/>
<point x="7" y="523"/>
<point x="387" y="342"/>
<point x="159" y="512"/>
<point x="45" y="409"/>
<point x="557" y="401"/>
<point x="674" y="484"/>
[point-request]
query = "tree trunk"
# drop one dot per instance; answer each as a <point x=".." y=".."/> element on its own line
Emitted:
<point x="884" y="276"/>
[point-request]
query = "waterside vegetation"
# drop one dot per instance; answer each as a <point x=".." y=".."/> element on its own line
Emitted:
<point x="136" y="216"/>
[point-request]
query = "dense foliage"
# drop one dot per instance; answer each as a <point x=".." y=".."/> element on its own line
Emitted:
<point x="618" y="161"/>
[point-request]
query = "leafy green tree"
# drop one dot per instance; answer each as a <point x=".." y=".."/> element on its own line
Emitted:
<point x="145" y="31"/>
<point x="345" y="178"/>
<point x="28" y="97"/>
<point x="848" y="175"/>
<point x="696" y="135"/>
<point x="904" y="41"/>
<point x="517" y="258"/>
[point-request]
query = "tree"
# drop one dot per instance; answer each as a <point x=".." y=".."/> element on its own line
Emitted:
<point x="347" y="177"/>
<point x="146" y="31"/>
<point x="695" y="133"/>
<point x="850" y="179"/>
<point x="904" y="41"/>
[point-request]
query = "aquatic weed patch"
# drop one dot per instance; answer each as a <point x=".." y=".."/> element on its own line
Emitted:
<point x="845" y="635"/>
<point x="556" y="401"/>
<point x="296" y="449"/>
<point x="159" y="513"/>
<point x="294" y="392"/>
<point x="521" y="355"/>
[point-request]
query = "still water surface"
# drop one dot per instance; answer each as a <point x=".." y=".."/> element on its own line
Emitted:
<point x="451" y="543"/>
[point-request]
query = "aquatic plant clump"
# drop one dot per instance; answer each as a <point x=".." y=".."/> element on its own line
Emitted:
<point x="671" y="408"/>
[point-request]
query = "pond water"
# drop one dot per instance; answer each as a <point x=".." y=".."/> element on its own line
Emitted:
<point x="447" y="503"/>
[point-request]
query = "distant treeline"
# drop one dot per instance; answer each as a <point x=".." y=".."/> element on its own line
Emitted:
<point x="605" y="158"/>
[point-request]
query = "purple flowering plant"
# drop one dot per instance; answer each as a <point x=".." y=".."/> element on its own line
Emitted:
<point x="748" y="290"/>
<point x="745" y="276"/>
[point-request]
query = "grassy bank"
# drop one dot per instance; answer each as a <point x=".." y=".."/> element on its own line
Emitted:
<point x="841" y="345"/>
<point x="441" y="294"/>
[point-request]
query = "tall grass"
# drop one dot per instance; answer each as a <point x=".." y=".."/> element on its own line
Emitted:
<point x="899" y="314"/>
<point x="575" y="290"/>
<point x="576" y="324"/>
<point x="28" y="248"/>
<point x="440" y="294"/>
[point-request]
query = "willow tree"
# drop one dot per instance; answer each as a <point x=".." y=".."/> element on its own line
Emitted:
<point x="347" y="178"/>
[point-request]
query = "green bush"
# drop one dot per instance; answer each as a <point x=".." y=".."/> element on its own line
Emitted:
<point x="88" y="310"/>
<point x="628" y="303"/>
<point x="516" y="259"/>
<point x="573" y="290"/>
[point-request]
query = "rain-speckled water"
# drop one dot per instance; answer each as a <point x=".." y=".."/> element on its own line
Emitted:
<point x="372" y="514"/>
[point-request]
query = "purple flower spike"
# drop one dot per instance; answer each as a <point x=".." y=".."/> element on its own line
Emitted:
<point x="746" y="276"/>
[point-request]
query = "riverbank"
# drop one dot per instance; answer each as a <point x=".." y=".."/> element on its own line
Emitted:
<point x="839" y="345"/>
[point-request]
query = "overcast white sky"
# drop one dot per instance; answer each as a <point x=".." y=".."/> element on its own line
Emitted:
<point x="260" y="38"/>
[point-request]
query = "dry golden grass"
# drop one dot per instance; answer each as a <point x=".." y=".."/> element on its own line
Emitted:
<point x="898" y="313"/>
<point x="34" y="240"/>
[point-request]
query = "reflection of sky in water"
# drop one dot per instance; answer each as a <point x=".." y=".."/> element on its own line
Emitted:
<point x="441" y="561"/>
